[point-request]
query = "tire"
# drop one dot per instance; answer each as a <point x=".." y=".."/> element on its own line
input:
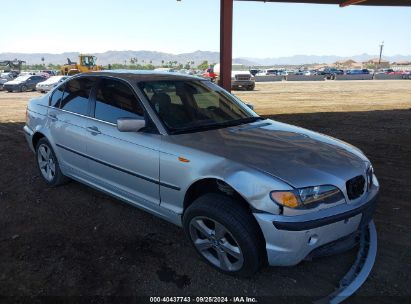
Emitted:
<point x="48" y="164"/>
<point x="250" y="88"/>
<point x="225" y="234"/>
<point x="23" y="88"/>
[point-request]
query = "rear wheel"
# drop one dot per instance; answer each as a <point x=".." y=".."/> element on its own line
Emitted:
<point x="48" y="164"/>
<point x="225" y="234"/>
<point x="23" y="88"/>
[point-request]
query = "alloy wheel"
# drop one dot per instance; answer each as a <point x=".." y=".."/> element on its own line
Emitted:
<point x="46" y="162"/>
<point x="215" y="243"/>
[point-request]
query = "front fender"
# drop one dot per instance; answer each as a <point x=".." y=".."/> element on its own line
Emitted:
<point x="255" y="187"/>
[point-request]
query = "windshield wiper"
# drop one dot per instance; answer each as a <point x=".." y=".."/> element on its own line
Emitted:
<point x="246" y="120"/>
<point x="212" y="126"/>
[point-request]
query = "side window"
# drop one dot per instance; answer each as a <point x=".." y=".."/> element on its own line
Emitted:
<point x="55" y="99"/>
<point x="76" y="95"/>
<point x="114" y="100"/>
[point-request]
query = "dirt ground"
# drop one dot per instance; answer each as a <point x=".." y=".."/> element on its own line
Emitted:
<point x="74" y="241"/>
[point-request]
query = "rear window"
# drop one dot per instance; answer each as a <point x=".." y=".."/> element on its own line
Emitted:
<point x="76" y="95"/>
<point x="55" y="99"/>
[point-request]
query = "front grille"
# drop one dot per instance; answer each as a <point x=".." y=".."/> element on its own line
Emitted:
<point x="355" y="187"/>
<point x="242" y="77"/>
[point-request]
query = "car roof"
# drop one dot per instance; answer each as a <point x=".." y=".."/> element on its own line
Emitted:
<point x="143" y="75"/>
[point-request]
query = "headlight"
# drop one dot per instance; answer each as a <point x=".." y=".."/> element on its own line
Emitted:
<point x="309" y="197"/>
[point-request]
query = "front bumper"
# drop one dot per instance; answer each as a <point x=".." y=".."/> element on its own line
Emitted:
<point x="242" y="83"/>
<point x="291" y="239"/>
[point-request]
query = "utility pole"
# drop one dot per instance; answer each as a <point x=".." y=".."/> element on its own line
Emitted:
<point x="379" y="60"/>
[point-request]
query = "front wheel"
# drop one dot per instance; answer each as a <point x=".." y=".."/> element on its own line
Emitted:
<point x="225" y="234"/>
<point x="48" y="164"/>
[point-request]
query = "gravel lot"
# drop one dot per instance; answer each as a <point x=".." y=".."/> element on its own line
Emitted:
<point x="72" y="240"/>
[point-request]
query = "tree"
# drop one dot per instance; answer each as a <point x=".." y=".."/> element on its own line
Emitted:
<point x="204" y="65"/>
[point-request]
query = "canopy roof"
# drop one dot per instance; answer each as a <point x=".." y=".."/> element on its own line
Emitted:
<point x="346" y="2"/>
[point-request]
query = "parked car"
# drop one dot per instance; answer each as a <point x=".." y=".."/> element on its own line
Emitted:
<point x="23" y="83"/>
<point x="358" y="72"/>
<point x="398" y="72"/>
<point x="247" y="190"/>
<point x="50" y="83"/>
<point x="49" y="72"/>
<point x="7" y="76"/>
<point x="240" y="79"/>
<point x="330" y="73"/>
<point x="383" y="71"/>
<point x="305" y="72"/>
<point x="26" y="73"/>
<point x="268" y="72"/>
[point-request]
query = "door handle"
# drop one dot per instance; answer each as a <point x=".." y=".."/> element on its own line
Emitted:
<point x="93" y="130"/>
<point x="53" y="117"/>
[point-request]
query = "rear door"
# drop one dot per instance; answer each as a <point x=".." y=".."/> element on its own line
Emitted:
<point x="125" y="163"/>
<point x="68" y="116"/>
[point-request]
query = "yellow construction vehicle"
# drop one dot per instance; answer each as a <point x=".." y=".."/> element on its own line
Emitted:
<point x="87" y="63"/>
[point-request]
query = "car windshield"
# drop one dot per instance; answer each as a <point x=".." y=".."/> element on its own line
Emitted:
<point x="194" y="105"/>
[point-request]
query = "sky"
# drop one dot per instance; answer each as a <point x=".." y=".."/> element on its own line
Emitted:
<point x="261" y="29"/>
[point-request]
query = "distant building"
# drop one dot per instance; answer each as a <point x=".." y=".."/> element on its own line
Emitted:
<point x="401" y="66"/>
<point x="347" y="64"/>
<point x="319" y="66"/>
<point x="384" y="64"/>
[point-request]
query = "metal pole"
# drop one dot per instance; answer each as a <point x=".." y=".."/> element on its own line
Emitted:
<point x="226" y="43"/>
<point x="379" y="60"/>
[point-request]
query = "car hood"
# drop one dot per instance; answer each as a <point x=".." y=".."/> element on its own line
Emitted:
<point x="295" y="155"/>
<point x="14" y="82"/>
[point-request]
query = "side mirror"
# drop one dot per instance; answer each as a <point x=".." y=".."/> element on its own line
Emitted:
<point x="130" y="124"/>
<point x="250" y="106"/>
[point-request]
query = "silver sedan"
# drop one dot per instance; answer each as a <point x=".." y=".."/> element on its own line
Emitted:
<point x="246" y="190"/>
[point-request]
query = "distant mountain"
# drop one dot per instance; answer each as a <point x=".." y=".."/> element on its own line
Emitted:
<point x="198" y="57"/>
<point x="310" y="59"/>
<point x="105" y="58"/>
